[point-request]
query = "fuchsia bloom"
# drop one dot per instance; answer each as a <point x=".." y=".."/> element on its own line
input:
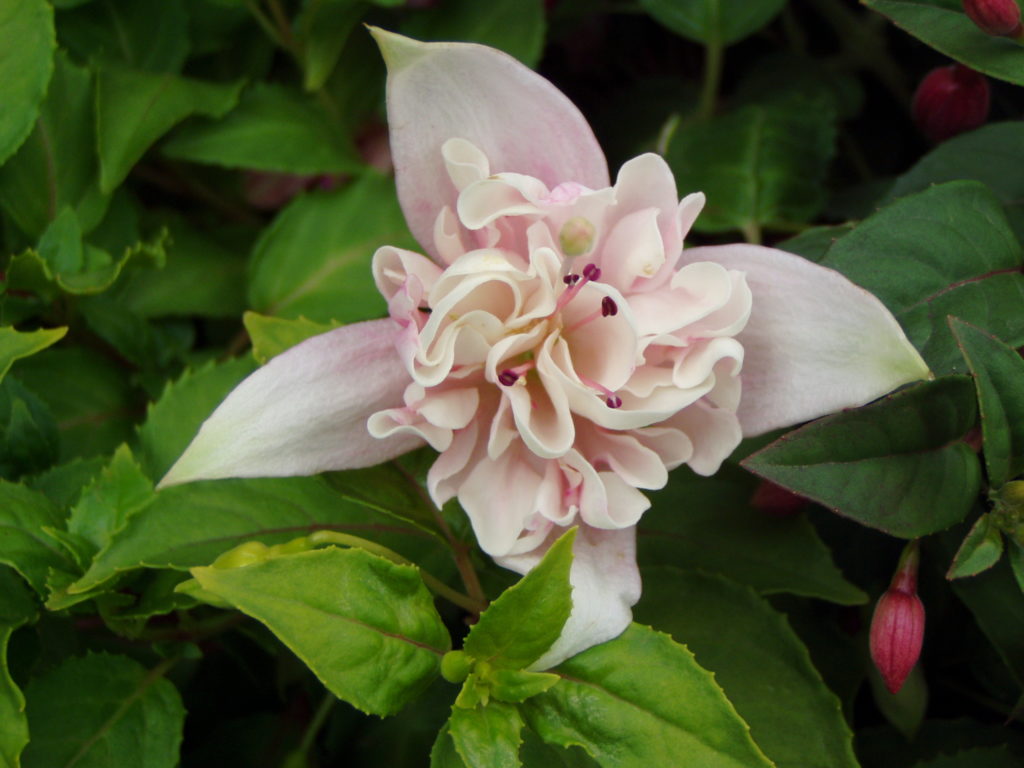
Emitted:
<point x="559" y="348"/>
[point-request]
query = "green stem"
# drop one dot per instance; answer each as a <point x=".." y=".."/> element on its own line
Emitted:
<point x="433" y="583"/>
<point x="460" y="552"/>
<point x="864" y="44"/>
<point x="752" y="232"/>
<point x="265" y="24"/>
<point x="713" y="57"/>
<point x="319" y="718"/>
<point x="284" y="29"/>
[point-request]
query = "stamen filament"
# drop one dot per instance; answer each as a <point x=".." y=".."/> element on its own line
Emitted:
<point x="610" y="398"/>
<point x="510" y="376"/>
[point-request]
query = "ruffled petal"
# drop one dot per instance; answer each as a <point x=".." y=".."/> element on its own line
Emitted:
<point x="605" y="586"/>
<point x="520" y="121"/>
<point x="305" y="411"/>
<point x="815" y="344"/>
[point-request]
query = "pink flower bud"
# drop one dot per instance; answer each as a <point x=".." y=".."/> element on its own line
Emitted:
<point x="897" y="626"/>
<point x="995" y="17"/>
<point x="950" y="100"/>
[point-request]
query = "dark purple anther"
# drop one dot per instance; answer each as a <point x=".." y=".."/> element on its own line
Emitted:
<point x="609" y="307"/>
<point x="508" y="378"/>
<point x="571" y="279"/>
<point x="613" y="401"/>
<point x="591" y="272"/>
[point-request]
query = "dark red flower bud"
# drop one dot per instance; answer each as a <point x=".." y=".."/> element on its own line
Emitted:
<point x="995" y="17"/>
<point x="897" y="626"/>
<point x="950" y="100"/>
<point x="776" y="500"/>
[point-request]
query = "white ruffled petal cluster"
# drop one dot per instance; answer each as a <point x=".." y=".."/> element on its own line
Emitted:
<point x="561" y="360"/>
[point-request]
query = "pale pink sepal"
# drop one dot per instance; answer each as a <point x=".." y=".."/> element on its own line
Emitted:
<point x="605" y="586"/>
<point x="520" y="121"/>
<point x="305" y="411"/>
<point x="815" y="343"/>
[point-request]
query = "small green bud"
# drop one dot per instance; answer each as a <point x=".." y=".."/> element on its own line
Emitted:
<point x="577" y="236"/>
<point x="300" y="544"/>
<point x="456" y="666"/>
<point x="243" y="555"/>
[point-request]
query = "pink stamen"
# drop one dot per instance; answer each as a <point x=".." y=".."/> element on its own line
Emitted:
<point x="610" y="398"/>
<point x="591" y="272"/>
<point x="510" y="376"/>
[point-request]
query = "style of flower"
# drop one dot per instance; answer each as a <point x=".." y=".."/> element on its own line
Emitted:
<point x="559" y="348"/>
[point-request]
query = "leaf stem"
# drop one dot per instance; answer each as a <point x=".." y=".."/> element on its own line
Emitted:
<point x="319" y="717"/>
<point x="460" y="552"/>
<point x="713" y="59"/>
<point x="433" y="583"/>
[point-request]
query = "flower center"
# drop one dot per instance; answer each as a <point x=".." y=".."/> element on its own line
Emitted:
<point x="608" y="308"/>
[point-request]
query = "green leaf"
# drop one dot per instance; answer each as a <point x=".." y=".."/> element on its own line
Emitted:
<point x="487" y="736"/>
<point x="271" y="129"/>
<point x="13" y="723"/>
<point x="190" y="525"/>
<point x="142" y="34"/>
<point x="520" y="626"/>
<point x="365" y="626"/>
<point x="761" y="165"/>
<point x="314" y="260"/>
<point x="324" y="28"/>
<point x="514" y="686"/>
<point x="135" y="108"/>
<point x="642" y="700"/>
<point x="25" y="545"/>
<point x="103" y="710"/>
<point x="95" y="272"/>
<point x="174" y="419"/>
<point x="15" y="345"/>
<point x="18" y="605"/>
<point x="202" y="276"/>
<point x="29" y="441"/>
<point x="757" y="659"/>
<point x="814" y="243"/>
<point x="90" y="396"/>
<point x="118" y="492"/>
<point x="980" y="550"/>
<point x="995" y="600"/>
<point x="945" y="251"/>
<point x="443" y="753"/>
<point x="26" y="63"/>
<point x="895" y="465"/>
<point x="713" y="21"/>
<point x="514" y="26"/>
<point x="57" y="165"/>
<point x="708" y="523"/>
<point x="982" y="155"/>
<point x="63" y="484"/>
<point x="999" y="378"/>
<point x="949" y="30"/>
<point x="16" y="608"/>
<point x="989" y="757"/>
<point x="273" y="335"/>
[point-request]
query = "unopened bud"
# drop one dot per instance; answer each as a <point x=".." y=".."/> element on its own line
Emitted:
<point x="995" y="17"/>
<point x="897" y="626"/>
<point x="950" y="100"/>
<point x="775" y="500"/>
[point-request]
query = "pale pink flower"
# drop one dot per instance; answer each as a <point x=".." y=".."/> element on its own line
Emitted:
<point x="559" y="348"/>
